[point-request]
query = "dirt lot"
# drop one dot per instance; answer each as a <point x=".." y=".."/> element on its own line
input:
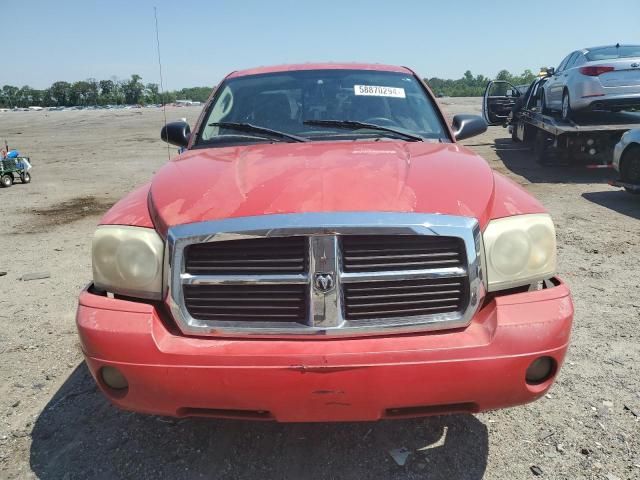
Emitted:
<point x="54" y="424"/>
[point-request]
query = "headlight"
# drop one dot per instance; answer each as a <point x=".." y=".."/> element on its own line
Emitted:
<point x="519" y="250"/>
<point x="128" y="261"/>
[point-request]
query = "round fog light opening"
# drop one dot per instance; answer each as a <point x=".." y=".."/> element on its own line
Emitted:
<point x="540" y="370"/>
<point x="114" y="378"/>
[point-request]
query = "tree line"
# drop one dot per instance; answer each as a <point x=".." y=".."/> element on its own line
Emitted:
<point x="131" y="91"/>
<point x="474" y="86"/>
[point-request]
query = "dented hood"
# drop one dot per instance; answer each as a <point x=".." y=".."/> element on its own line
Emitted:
<point x="390" y="176"/>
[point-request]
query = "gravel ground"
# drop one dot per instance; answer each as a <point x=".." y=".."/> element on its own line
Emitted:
<point x="54" y="424"/>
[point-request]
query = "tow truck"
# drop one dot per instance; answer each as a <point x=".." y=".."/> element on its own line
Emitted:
<point x="589" y="140"/>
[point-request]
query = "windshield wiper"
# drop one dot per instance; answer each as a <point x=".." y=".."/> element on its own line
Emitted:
<point x="248" y="127"/>
<point x="354" y="125"/>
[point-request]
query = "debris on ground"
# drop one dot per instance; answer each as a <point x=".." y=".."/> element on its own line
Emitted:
<point x="549" y="435"/>
<point x="537" y="471"/>
<point x="438" y="443"/>
<point x="35" y="276"/>
<point x="400" y="455"/>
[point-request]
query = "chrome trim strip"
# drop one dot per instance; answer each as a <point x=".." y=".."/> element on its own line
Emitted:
<point x="435" y="273"/>
<point x="188" y="279"/>
<point x="323" y="230"/>
<point x="325" y="306"/>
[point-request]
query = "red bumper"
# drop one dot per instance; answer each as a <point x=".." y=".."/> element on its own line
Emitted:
<point x="477" y="368"/>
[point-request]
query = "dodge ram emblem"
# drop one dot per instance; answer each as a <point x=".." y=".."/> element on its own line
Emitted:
<point x="323" y="282"/>
<point x="635" y="65"/>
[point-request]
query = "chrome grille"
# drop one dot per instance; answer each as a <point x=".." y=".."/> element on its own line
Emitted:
<point x="368" y="253"/>
<point x="398" y="298"/>
<point x="279" y="303"/>
<point x="325" y="273"/>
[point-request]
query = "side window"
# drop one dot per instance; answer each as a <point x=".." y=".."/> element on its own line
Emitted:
<point x="220" y="110"/>
<point x="563" y="63"/>
<point x="580" y="59"/>
<point x="572" y="60"/>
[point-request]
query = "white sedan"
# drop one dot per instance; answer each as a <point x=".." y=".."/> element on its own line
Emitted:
<point x="598" y="78"/>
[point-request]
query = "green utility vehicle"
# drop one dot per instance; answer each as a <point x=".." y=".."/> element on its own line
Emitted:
<point x="12" y="168"/>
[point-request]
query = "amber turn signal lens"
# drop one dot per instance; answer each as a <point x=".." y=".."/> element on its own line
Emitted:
<point x="540" y="370"/>
<point x="114" y="378"/>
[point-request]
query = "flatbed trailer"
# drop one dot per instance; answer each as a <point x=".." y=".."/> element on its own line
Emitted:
<point x="589" y="139"/>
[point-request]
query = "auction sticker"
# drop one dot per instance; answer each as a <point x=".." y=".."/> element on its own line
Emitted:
<point x="377" y="91"/>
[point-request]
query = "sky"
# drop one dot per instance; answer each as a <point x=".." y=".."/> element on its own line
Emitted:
<point x="203" y="40"/>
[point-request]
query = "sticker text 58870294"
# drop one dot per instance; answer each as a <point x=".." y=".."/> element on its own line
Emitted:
<point x="378" y="91"/>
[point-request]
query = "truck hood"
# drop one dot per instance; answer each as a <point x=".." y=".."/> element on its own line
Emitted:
<point x="390" y="176"/>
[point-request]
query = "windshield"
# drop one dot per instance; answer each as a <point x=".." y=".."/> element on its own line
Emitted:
<point x="611" y="53"/>
<point x="297" y="102"/>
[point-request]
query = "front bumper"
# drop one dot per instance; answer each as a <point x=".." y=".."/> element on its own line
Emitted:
<point x="477" y="368"/>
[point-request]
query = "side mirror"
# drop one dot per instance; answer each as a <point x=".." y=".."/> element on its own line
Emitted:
<point x="465" y="126"/>
<point x="551" y="71"/>
<point x="176" y="133"/>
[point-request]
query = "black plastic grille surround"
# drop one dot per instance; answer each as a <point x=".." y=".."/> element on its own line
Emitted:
<point x="362" y="300"/>
<point x="404" y="298"/>
<point x="276" y="303"/>
<point x="370" y="253"/>
<point x="250" y="256"/>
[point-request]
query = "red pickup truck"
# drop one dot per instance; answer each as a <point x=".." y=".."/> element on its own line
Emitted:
<point x="324" y="250"/>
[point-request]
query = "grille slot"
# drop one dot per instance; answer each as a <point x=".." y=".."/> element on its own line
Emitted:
<point x="253" y="256"/>
<point x="404" y="298"/>
<point x="369" y="253"/>
<point x="271" y="303"/>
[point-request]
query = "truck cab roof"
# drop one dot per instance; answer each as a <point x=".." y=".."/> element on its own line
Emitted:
<point x="319" y="66"/>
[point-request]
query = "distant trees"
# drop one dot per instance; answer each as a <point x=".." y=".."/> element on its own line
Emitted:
<point x="133" y="91"/>
<point x="80" y="93"/>
<point x="96" y="92"/>
<point x="197" y="94"/>
<point x="60" y="94"/>
<point x="9" y="93"/>
<point x="474" y="86"/>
